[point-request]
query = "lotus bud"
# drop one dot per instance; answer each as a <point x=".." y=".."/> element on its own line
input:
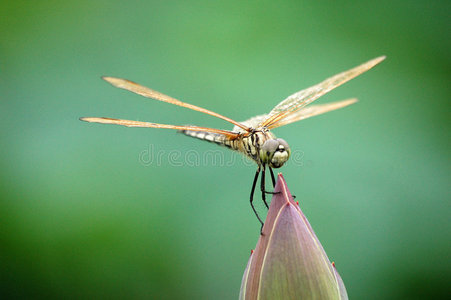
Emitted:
<point x="289" y="261"/>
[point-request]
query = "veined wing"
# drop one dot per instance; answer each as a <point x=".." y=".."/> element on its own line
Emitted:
<point x="149" y="93"/>
<point x="129" y="123"/>
<point x="302" y="98"/>
<point x="311" y="111"/>
<point x="301" y="114"/>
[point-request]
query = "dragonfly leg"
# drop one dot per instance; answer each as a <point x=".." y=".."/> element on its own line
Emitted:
<point x="274" y="182"/>
<point x="263" y="183"/>
<point x="272" y="177"/>
<point x="262" y="186"/>
<point x="252" y="198"/>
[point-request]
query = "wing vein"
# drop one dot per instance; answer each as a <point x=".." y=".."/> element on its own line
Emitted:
<point x="149" y="93"/>
<point x="130" y="123"/>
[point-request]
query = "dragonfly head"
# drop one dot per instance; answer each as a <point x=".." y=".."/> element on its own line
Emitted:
<point x="275" y="152"/>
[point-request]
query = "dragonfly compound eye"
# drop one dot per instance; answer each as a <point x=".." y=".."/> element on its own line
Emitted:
<point x="268" y="149"/>
<point x="281" y="154"/>
<point x="275" y="152"/>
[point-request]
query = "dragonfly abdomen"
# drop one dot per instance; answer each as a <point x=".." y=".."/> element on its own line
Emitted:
<point x="216" y="138"/>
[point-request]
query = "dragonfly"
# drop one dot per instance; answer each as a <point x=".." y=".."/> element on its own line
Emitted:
<point x="252" y="137"/>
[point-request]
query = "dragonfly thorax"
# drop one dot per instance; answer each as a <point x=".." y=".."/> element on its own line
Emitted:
<point x="275" y="152"/>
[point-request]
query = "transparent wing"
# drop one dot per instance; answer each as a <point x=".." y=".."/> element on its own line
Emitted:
<point x="129" y="123"/>
<point x="149" y="93"/>
<point x="302" y="98"/>
<point x="311" y="111"/>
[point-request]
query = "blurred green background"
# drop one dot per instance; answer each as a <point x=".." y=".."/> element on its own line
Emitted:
<point x="83" y="216"/>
